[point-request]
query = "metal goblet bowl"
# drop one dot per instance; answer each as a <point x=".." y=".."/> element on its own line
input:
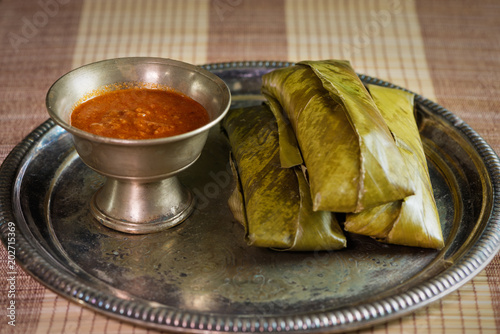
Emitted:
<point x="141" y="193"/>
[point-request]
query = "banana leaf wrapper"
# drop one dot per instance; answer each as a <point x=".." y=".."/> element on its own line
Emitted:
<point x="413" y="221"/>
<point x="351" y="158"/>
<point x="273" y="203"/>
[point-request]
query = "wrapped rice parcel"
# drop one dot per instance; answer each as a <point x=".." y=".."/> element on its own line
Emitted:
<point x="414" y="220"/>
<point x="273" y="202"/>
<point x="351" y="158"/>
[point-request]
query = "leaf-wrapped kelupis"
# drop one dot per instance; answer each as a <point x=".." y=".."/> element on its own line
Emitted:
<point x="351" y="158"/>
<point x="273" y="203"/>
<point x="413" y="221"/>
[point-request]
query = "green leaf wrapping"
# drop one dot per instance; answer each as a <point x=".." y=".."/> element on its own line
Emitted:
<point x="273" y="203"/>
<point x="350" y="155"/>
<point x="413" y="221"/>
<point x="289" y="148"/>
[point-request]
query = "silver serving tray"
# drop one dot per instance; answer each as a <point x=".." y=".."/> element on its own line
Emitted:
<point x="201" y="276"/>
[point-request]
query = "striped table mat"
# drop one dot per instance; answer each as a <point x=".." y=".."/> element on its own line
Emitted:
<point x="447" y="51"/>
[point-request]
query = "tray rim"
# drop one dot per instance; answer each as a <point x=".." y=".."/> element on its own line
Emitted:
<point x="145" y="313"/>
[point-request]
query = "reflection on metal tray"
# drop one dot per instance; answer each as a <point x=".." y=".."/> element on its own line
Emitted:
<point x="201" y="276"/>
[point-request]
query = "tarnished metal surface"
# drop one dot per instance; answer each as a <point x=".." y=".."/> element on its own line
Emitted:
<point x="201" y="276"/>
<point x="142" y="193"/>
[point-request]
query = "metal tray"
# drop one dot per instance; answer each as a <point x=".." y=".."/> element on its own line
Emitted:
<point x="201" y="276"/>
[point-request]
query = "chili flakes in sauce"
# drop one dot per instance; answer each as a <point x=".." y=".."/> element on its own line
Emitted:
<point x="139" y="113"/>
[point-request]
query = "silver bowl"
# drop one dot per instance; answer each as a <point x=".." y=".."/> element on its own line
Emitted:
<point x="141" y="193"/>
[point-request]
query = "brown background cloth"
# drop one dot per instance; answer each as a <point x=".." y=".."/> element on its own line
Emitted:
<point x="447" y="51"/>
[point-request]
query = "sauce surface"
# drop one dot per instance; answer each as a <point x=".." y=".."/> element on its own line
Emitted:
<point x="139" y="113"/>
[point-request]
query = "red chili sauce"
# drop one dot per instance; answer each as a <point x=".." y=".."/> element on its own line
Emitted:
<point x="139" y="113"/>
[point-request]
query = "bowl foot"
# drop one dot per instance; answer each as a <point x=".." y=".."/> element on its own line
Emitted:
<point x="142" y="207"/>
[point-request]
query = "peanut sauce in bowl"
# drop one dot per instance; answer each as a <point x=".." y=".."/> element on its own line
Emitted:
<point x="139" y="122"/>
<point x="139" y="113"/>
